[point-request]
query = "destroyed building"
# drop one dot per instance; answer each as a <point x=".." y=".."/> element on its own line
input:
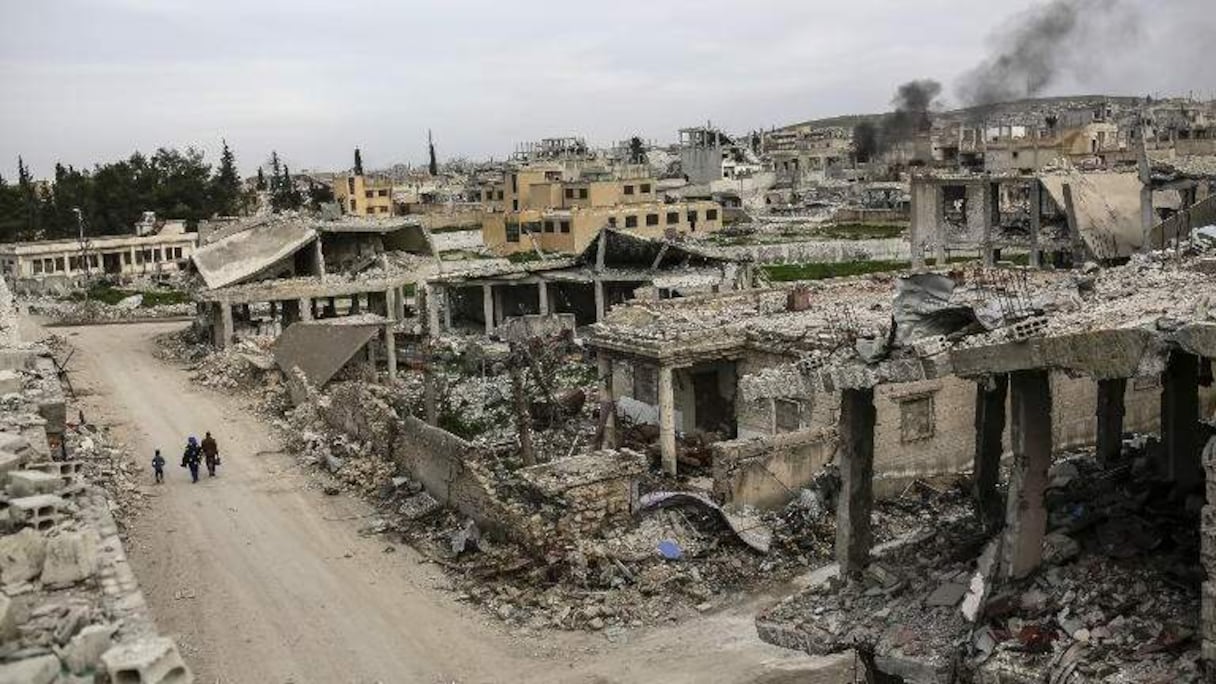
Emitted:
<point x="1007" y="595"/>
<point x="615" y="267"/>
<point x="155" y="247"/>
<point x="279" y="271"/>
<point x="361" y="195"/>
<point x="1060" y="217"/>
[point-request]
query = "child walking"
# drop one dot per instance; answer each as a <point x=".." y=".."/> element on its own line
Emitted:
<point x="158" y="467"/>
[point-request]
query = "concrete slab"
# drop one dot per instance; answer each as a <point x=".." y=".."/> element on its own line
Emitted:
<point x="23" y="483"/>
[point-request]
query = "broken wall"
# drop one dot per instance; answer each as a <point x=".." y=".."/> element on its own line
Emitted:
<point x="765" y="472"/>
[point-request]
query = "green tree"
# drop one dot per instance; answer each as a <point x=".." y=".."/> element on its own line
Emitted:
<point x="358" y="162"/>
<point x="12" y="212"/>
<point x="226" y="185"/>
<point x="29" y="200"/>
<point x="637" y="151"/>
<point x="261" y="183"/>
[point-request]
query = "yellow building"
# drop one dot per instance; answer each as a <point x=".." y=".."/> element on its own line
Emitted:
<point x="534" y="209"/>
<point x="363" y="196"/>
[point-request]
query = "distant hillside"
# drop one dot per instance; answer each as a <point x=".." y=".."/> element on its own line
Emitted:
<point x="851" y="120"/>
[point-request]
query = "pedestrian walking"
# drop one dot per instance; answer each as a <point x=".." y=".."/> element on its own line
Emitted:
<point x="192" y="457"/>
<point x="158" y="467"/>
<point x="211" y="454"/>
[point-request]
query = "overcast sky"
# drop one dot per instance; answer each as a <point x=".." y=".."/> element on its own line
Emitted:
<point x="85" y="81"/>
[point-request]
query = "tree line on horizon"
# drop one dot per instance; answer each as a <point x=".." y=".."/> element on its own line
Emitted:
<point x="112" y="197"/>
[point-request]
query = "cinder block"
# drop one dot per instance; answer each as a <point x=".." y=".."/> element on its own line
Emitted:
<point x="83" y="652"/>
<point x="21" y="556"/>
<point x="9" y="463"/>
<point x="69" y="472"/>
<point x="32" y="483"/>
<point x="40" y="512"/>
<point x="70" y="558"/>
<point x="38" y="670"/>
<point x="151" y="660"/>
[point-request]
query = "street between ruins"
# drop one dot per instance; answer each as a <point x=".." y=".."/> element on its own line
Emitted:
<point x="262" y="578"/>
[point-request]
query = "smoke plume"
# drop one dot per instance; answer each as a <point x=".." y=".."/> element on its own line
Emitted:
<point x="1036" y="47"/>
<point x="913" y="115"/>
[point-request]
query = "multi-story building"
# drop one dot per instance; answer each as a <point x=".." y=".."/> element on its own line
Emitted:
<point x="535" y="208"/>
<point x="363" y="196"/>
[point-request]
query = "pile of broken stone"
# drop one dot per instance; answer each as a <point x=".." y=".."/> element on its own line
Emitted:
<point x="71" y="610"/>
<point x="1115" y="601"/>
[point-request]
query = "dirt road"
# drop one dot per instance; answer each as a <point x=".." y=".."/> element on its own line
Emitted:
<point x="265" y="579"/>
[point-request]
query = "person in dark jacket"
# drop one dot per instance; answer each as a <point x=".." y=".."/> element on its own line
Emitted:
<point x="158" y="467"/>
<point x="192" y="457"/>
<point x="211" y="453"/>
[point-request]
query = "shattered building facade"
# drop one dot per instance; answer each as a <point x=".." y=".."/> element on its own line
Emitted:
<point x="615" y="267"/>
<point x="278" y="272"/>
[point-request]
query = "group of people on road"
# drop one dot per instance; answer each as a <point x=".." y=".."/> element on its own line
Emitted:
<point x="207" y="452"/>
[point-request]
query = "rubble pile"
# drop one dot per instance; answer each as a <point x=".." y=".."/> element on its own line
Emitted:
<point x="1115" y="601"/>
<point x="247" y="366"/>
<point x="70" y="606"/>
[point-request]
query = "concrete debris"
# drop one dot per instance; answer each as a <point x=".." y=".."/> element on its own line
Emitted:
<point x="68" y="592"/>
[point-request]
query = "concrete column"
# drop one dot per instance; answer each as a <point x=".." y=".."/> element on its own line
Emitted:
<point x="600" y="301"/>
<point x="939" y="249"/>
<point x="306" y="309"/>
<point x="390" y="352"/>
<point x="224" y="327"/>
<point x="447" y="308"/>
<point x="487" y="307"/>
<point x="500" y="310"/>
<point x="274" y="311"/>
<point x="607" y="401"/>
<point x="1036" y="222"/>
<point x="1180" y="418"/>
<point x="318" y="257"/>
<point x="1025" y="514"/>
<point x="399" y="303"/>
<point x="331" y="307"/>
<point x="542" y="289"/>
<point x="667" y="420"/>
<point x="989" y="428"/>
<point x="915" y="228"/>
<point x="856" y="430"/>
<point x="431" y="302"/>
<point x="291" y="311"/>
<point x="356" y="305"/>
<point x="1110" y="412"/>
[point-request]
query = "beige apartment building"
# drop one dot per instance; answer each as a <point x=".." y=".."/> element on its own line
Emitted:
<point x="363" y="196"/>
<point x="536" y="208"/>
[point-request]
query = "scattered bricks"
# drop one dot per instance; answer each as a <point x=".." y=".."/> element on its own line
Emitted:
<point x="83" y="653"/>
<point x="39" y="512"/>
<point x="70" y="558"/>
<point x="31" y="483"/>
<point x="39" y="670"/>
<point x="21" y="556"/>
<point x="68" y="472"/>
<point x="151" y="660"/>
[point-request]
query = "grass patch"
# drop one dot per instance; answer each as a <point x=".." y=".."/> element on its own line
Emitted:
<point x="108" y="294"/>
<point x="782" y="273"/>
<point x="524" y="257"/>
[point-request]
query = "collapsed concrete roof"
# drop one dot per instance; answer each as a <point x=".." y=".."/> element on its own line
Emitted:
<point x="321" y="348"/>
<point x="621" y="249"/>
<point x="1107" y="210"/>
<point x="245" y="254"/>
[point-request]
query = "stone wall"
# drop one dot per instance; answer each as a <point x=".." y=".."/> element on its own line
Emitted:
<point x="580" y="496"/>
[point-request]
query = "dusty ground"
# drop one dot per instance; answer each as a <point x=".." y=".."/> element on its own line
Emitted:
<point x="262" y="578"/>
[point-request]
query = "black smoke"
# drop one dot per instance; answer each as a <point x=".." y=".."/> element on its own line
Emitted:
<point x="913" y="115"/>
<point x="1034" y="48"/>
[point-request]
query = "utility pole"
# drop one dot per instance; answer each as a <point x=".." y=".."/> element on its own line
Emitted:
<point x="84" y="257"/>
